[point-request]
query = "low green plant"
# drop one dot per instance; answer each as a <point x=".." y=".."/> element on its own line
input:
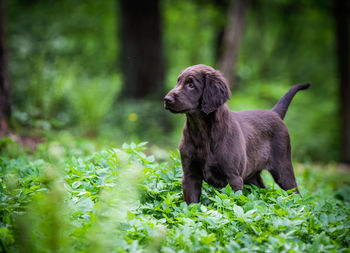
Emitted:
<point x="91" y="101"/>
<point x="122" y="200"/>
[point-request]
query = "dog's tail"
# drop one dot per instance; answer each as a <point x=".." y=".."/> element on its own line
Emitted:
<point x="282" y="105"/>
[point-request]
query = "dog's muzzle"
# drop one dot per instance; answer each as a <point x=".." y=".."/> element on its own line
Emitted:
<point x="168" y="101"/>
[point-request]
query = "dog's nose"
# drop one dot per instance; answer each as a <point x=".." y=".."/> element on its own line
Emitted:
<point x="168" y="99"/>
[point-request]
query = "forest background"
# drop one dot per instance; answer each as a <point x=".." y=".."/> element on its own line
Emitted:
<point x="101" y="68"/>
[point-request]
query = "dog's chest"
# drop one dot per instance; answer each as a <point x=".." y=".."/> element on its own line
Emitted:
<point x="211" y="168"/>
<point x="199" y="147"/>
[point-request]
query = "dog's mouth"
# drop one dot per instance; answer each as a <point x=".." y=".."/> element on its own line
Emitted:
<point x="173" y="110"/>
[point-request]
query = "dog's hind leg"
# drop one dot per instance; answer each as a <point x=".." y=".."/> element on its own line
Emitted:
<point x="236" y="183"/>
<point x="280" y="164"/>
<point x="260" y="181"/>
<point x="284" y="176"/>
<point x="255" y="180"/>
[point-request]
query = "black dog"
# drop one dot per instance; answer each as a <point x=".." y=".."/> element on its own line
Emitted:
<point x="224" y="147"/>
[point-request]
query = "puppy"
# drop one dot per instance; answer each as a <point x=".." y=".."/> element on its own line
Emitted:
<point x="224" y="147"/>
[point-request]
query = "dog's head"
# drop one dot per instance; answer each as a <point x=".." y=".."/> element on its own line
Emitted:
<point x="198" y="88"/>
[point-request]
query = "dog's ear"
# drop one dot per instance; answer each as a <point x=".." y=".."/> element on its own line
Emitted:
<point x="216" y="92"/>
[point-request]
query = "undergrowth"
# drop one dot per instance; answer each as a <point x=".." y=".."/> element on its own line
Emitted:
<point x="122" y="200"/>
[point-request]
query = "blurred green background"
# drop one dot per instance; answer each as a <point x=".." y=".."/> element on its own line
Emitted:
<point x="69" y="67"/>
<point x="80" y="78"/>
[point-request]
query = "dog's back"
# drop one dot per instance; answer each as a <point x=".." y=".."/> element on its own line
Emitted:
<point x="263" y="132"/>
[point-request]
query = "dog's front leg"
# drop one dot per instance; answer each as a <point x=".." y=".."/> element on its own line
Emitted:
<point x="236" y="182"/>
<point x="192" y="177"/>
<point x="192" y="189"/>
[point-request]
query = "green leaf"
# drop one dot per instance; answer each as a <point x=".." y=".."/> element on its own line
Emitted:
<point x="228" y="189"/>
<point x="85" y="204"/>
<point x="239" y="212"/>
<point x="208" y="239"/>
<point x="76" y="184"/>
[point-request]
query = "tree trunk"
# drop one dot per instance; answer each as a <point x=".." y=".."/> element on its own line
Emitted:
<point x="142" y="51"/>
<point x="5" y="101"/>
<point x="341" y="15"/>
<point x="231" y="38"/>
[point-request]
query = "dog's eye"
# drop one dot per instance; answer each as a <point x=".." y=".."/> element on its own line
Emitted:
<point x="190" y="85"/>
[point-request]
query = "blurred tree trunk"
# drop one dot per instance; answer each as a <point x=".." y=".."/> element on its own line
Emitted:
<point x="142" y="51"/>
<point x="222" y="7"/>
<point x="5" y="101"/>
<point x="341" y="15"/>
<point x="231" y="38"/>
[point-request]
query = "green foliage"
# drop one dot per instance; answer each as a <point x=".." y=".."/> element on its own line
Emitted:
<point x="68" y="100"/>
<point x="139" y="120"/>
<point x="92" y="101"/>
<point x="59" y="75"/>
<point x="122" y="200"/>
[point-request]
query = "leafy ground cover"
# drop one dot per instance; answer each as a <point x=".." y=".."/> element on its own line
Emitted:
<point x="61" y="199"/>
